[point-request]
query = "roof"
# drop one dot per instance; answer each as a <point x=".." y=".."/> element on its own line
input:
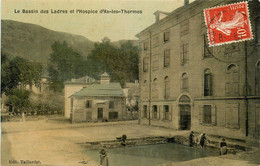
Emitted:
<point x="172" y="14"/>
<point x="81" y="80"/>
<point x="113" y="89"/>
<point x="104" y="75"/>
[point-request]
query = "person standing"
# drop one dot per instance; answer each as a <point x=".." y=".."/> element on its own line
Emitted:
<point x="203" y="140"/>
<point x="223" y="147"/>
<point x="103" y="158"/>
<point x="191" y="138"/>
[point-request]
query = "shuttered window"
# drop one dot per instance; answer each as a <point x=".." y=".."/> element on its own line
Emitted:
<point x="155" y="41"/>
<point x="207" y="83"/>
<point x="145" y="111"/>
<point x="88" y="104"/>
<point x="166" y="87"/>
<point x="166" y="112"/>
<point x="166" y="58"/>
<point x="232" y="83"/>
<point x="166" y="36"/>
<point x="184" y="49"/>
<point x="155" y="112"/>
<point x="111" y="104"/>
<point x="145" y="45"/>
<point x="232" y="115"/>
<point x="207" y="114"/>
<point x="184" y="82"/>
<point x="154" y="89"/>
<point x="184" y="28"/>
<point x="145" y="64"/>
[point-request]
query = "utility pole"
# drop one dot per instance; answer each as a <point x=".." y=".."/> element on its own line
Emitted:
<point x="150" y="75"/>
<point x="246" y="89"/>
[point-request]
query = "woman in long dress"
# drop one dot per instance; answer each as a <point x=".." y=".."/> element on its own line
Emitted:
<point x="103" y="158"/>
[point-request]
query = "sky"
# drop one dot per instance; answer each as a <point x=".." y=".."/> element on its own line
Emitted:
<point x="94" y="26"/>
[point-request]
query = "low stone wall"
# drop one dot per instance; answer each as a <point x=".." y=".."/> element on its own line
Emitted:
<point x="212" y="143"/>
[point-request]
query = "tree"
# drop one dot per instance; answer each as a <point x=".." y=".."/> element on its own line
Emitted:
<point x="18" y="71"/>
<point x="19" y="99"/>
<point x="64" y="64"/>
<point x="121" y="63"/>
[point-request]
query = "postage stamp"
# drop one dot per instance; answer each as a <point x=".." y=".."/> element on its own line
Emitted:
<point x="228" y="24"/>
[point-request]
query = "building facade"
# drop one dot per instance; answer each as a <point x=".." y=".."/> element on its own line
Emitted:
<point x="187" y="85"/>
<point x="72" y="86"/>
<point x="100" y="101"/>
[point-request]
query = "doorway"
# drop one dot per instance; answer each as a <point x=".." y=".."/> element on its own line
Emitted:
<point x="185" y="117"/>
<point x="185" y="113"/>
<point x="100" y="113"/>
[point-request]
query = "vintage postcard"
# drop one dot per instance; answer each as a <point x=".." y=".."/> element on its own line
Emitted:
<point x="130" y="83"/>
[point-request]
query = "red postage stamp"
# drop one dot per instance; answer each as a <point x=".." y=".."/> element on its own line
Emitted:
<point x="228" y="24"/>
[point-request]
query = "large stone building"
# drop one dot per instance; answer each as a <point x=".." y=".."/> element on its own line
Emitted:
<point x="187" y="85"/>
<point x="99" y="101"/>
<point x="72" y="86"/>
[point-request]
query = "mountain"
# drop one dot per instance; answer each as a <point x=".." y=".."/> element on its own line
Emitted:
<point x="33" y="42"/>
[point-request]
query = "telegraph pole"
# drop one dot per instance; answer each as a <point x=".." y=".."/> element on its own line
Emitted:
<point x="150" y="75"/>
<point x="246" y="90"/>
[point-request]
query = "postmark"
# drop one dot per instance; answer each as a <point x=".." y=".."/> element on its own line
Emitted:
<point x="228" y="24"/>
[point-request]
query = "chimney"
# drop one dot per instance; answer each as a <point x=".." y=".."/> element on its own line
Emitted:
<point x="186" y="2"/>
<point x="160" y="15"/>
<point x="104" y="78"/>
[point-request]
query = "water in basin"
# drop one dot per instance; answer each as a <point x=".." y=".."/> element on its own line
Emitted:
<point x="150" y="155"/>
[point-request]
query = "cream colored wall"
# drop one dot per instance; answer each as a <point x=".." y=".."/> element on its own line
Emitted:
<point x="195" y="69"/>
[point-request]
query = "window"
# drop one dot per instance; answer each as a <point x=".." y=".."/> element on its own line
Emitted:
<point x="257" y="78"/>
<point x="111" y="104"/>
<point x="207" y="51"/>
<point x="207" y="114"/>
<point x="166" y="36"/>
<point x="232" y="81"/>
<point x="145" y="64"/>
<point x="155" y="41"/>
<point x="155" y="62"/>
<point x="184" y="28"/>
<point x="166" y="58"/>
<point x="145" y="111"/>
<point x="166" y="87"/>
<point x="154" y="89"/>
<point x="184" y="53"/>
<point x="145" y="90"/>
<point x="207" y="83"/>
<point x="166" y="112"/>
<point x="232" y="115"/>
<point x="154" y="111"/>
<point x="88" y="104"/>
<point x="113" y="115"/>
<point x="184" y="82"/>
<point x="71" y="105"/>
<point x="145" y="45"/>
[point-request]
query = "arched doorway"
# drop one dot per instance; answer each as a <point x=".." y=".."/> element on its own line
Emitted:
<point x="185" y="113"/>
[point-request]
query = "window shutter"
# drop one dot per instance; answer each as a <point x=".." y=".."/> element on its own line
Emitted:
<point x="213" y="114"/>
<point x="90" y="104"/>
<point x="201" y="114"/>
<point x="170" y="112"/>
<point x="211" y="85"/>
<point x="228" y="92"/>
<point x="159" y="112"/>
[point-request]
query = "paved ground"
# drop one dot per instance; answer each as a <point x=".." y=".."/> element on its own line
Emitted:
<point x="55" y="144"/>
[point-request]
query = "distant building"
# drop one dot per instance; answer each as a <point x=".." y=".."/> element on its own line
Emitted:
<point x="99" y="101"/>
<point x="72" y="86"/>
<point x="41" y="88"/>
<point x="132" y="94"/>
<point x="187" y="85"/>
